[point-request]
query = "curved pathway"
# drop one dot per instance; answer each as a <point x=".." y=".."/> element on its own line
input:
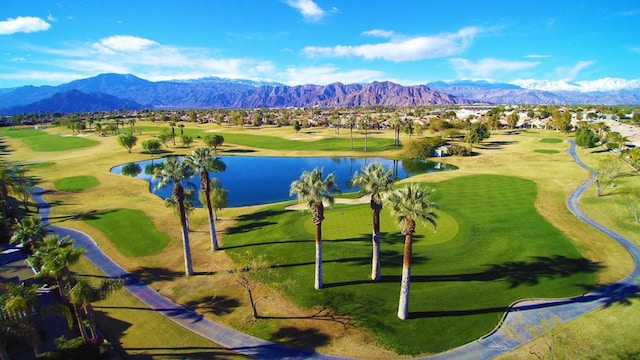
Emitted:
<point x="512" y="332"/>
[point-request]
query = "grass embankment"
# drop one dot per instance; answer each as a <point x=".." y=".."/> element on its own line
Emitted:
<point x="491" y="249"/>
<point x="76" y="183"/>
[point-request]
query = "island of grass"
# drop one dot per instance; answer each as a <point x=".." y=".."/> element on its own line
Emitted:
<point x="76" y="183"/>
<point x="551" y="140"/>
<point x="491" y="248"/>
<point x="546" y="151"/>
<point x="131" y="231"/>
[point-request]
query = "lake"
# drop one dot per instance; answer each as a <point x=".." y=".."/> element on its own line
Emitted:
<point x="254" y="180"/>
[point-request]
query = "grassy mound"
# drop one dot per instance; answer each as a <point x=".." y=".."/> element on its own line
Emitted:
<point x="546" y="151"/>
<point x="551" y="140"/>
<point x="131" y="231"/>
<point x="76" y="183"/>
<point x="492" y="248"/>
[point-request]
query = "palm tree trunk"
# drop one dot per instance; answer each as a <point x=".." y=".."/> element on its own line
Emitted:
<point x="83" y="331"/>
<point x="318" y="268"/>
<point x="212" y="225"/>
<point x="403" y="306"/>
<point x="91" y="316"/>
<point x="188" y="266"/>
<point x="375" y="258"/>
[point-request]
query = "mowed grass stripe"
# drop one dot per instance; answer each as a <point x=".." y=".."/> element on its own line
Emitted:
<point x="492" y="248"/>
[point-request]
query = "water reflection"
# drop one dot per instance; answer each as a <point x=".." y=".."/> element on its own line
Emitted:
<point x="253" y="180"/>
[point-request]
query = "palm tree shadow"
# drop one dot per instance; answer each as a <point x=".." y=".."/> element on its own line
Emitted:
<point x="216" y="305"/>
<point x="295" y="337"/>
<point x="254" y="221"/>
<point x="149" y="275"/>
<point x="82" y="216"/>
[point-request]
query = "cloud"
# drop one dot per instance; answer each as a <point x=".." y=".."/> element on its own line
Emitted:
<point x="537" y="56"/>
<point x="569" y="73"/>
<point x="24" y="24"/>
<point x="308" y="8"/>
<point x="400" y="49"/>
<point x="52" y="18"/>
<point x="489" y="67"/>
<point x="379" y="33"/>
<point x="322" y="75"/>
<point x="604" y="84"/>
<point x="123" y="43"/>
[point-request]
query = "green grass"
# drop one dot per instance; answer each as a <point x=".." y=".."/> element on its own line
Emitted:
<point x="546" y="151"/>
<point x="76" y="183"/>
<point x="278" y="143"/>
<point x="131" y="231"/>
<point x="491" y="248"/>
<point x="39" y="140"/>
<point x="551" y="140"/>
<point x="40" y="164"/>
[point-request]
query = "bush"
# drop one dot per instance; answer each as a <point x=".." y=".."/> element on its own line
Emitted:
<point x="459" y="150"/>
<point x="424" y="148"/>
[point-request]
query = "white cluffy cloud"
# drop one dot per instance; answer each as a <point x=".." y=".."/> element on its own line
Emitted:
<point x="23" y="24"/>
<point x="604" y="84"/>
<point x="123" y="43"/>
<point x="308" y="8"/>
<point x="488" y="67"/>
<point x="400" y="49"/>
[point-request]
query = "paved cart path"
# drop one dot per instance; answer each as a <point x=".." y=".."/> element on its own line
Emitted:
<point x="519" y="318"/>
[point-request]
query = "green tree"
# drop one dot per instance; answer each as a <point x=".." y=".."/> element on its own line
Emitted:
<point x="52" y="260"/>
<point x="396" y="123"/>
<point x="477" y="133"/>
<point x="219" y="196"/>
<point x="585" y="138"/>
<point x="213" y="141"/>
<point x="376" y="180"/>
<point x="365" y="122"/>
<point x="174" y="171"/>
<point x="351" y="123"/>
<point x="187" y="140"/>
<point x="81" y="295"/>
<point x="201" y="161"/>
<point x="313" y="190"/>
<point x="128" y="141"/>
<point x="30" y="232"/>
<point x="631" y="200"/>
<point x="152" y="146"/>
<point x="409" y="204"/>
<point x="18" y="315"/>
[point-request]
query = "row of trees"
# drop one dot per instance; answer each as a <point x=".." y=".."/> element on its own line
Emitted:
<point x="409" y="204"/>
<point x="51" y="258"/>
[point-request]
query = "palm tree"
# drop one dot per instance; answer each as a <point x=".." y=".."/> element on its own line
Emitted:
<point x="52" y="260"/>
<point x="313" y="190"/>
<point x="408" y="204"/>
<point x="18" y="314"/>
<point x="30" y="232"/>
<point x="374" y="179"/>
<point x="351" y="123"/>
<point x="201" y="161"/>
<point x="174" y="171"/>
<point x="81" y="295"/>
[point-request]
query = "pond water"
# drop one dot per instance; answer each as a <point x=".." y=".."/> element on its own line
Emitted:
<point x="254" y="180"/>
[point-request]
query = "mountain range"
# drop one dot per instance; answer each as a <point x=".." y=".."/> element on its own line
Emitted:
<point x="124" y="91"/>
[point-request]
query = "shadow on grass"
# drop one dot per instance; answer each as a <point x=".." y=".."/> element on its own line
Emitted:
<point x="254" y="221"/>
<point x="516" y="272"/>
<point x="307" y="339"/>
<point x="217" y="305"/>
<point x="87" y="215"/>
<point x="149" y="275"/>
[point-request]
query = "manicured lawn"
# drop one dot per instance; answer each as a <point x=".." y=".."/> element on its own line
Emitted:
<point x="551" y="140"/>
<point x="76" y="183"/>
<point x="131" y="231"/>
<point x="491" y="248"/>
<point x="546" y="151"/>
<point x="39" y="140"/>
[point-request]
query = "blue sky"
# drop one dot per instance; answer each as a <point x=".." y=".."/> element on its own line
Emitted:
<point x="560" y="44"/>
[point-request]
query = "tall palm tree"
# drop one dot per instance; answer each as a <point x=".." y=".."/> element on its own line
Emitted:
<point x="175" y="171"/>
<point x="313" y="190"/>
<point x="18" y="314"/>
<point x="52" y="260"/>
<point x="374" y="179"/>
<point x="30" y="232"/>
<point x="410" y="204"/>
<point x="351" y="123"/>
<point x="81" y="295"/>
<point x="201" y="161"/>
